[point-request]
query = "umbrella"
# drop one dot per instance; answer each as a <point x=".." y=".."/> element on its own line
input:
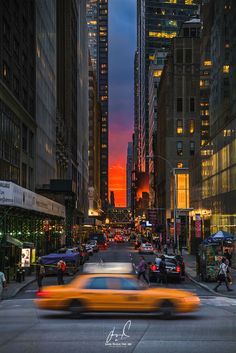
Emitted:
<point x="222" y="235"/>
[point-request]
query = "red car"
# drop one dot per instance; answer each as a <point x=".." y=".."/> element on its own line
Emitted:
<point x="118" y="238"/>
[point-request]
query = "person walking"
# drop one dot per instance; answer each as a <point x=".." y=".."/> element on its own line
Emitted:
<point x="2" y="283"/>
<point x="222" y="276"/>
<point x="61" y="267"/>
<point x="141" y="268"/>
<point x="163" y="271"/>
<point x="40" y="273"/>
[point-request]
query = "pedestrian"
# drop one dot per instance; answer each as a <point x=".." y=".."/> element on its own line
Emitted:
<point x="157" y="261"/>
<point x="40" y="274"/>
<point x="165" y="249"/>
<point x="141" y="268"/>
<point x="3" y="283"/>
<point x="163" y="271"/>
<point x="222" y="276"/>
<point x="228" y="256"/>
<point x="61" y="267"/>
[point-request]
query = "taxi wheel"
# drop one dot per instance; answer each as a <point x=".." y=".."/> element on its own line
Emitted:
<point x="76" y="308"/>
<point x="167" y="309"/>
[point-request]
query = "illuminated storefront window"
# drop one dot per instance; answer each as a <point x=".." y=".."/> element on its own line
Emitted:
<point x="182" y="190"/>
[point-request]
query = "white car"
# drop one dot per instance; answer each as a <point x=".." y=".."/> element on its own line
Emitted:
<point x="146" y="248"/>
<point x="93" y="244"/>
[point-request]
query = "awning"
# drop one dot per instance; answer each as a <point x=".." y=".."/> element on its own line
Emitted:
<point x="14" y="241"/>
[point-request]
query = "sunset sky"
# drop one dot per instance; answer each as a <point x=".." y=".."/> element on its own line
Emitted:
<point x="122" y="45"/>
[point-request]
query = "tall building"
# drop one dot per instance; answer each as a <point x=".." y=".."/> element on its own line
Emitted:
<point x="17" y="93"/>
<point x="97" y="19"/>
<point x="178" y="127"/>
<point x="112" y="199"/>
<point x="45" y="92"/>
<point x="129" y="168"/>
<point x="214" y="191"/>
<point x="94" y="145"/>
<point x="157" y="23"/>
<point x="103" y="94"/>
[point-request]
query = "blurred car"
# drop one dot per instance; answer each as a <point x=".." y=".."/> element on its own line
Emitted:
<point x="89" y="249"/>
<point x="106" y="292"/>
<point x="101" y="240"/>
<point x="146" y="248"/>
<point x="119" y="238"/>
<point x="173" y="269"/>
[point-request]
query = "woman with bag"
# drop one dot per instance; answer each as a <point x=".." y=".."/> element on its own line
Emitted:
<point x="222" y="276"/>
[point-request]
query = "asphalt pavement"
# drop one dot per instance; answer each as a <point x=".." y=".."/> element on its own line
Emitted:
<point x="26" y="329"/>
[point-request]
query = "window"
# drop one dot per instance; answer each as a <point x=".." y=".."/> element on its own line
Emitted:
<point x="16" y="86"/>
<point x="179" y="147"/>
<point x="186" y="32"/>
<point x="157" y="73"/>
<point x="6" y="71"/>
<point x="6" y="32"/>
<point x="179" y="104"/>
<point x="16" y="49"/>
<point x="179" y="56"/>
<point x="179" y="126"/>
<point x="191" y="126"/>
<point x="192" y="148"/>
<point x="226" y="69"/>
<point x="192" y="104"/>
<point x="180" y="165"/>
<point x="188" y="56"/>
<point x="24" y="175"/>
<point x="128" y="284"/>
<point x="31" y="144"/>
<point x="24" y="138"/>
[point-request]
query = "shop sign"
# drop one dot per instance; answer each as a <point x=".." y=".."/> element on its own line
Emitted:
<point x="25" y="257"/>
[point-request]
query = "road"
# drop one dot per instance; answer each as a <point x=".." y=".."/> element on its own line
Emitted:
<point x="26" y="329"/>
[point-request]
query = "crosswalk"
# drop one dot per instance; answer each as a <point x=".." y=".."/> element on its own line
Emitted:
<point x="218" y="301"/>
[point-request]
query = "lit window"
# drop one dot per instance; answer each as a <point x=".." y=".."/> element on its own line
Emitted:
<point x="188" y="2"/>
<point x="92" y="22"/>
<point x="226" y="69"/>
<point x="191" y="126"/>
<point x="179" y="126"/>
<point x="171" y="1"/>
<point x="157" y="73"/>
<point x="151" y="57"/>
<point x="172" y="23"/>
<point x="179" y="147"/>
<point x="180" y="165"/>
<point x="207" y="63"/>
<point x="162" y="34"/>
<point x="104" y="145"/>
<point x="103" y="98"/>
<point x="192" y="148"/>
<point x="163" y="12"/>
<point x="104" y="129"/>
<point x="201" y="83"/>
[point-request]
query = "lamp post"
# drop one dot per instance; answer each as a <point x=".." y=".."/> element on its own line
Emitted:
<point x="176" y="240"/>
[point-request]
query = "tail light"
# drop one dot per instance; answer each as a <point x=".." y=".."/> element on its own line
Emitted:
<point x="153" y="267"/>
<point x="178" y="269"/>
<point x="43" y="294"/>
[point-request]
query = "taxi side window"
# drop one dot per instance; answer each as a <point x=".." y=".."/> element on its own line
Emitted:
<point x="97" y="283"/>
<point x="127" y="284"/>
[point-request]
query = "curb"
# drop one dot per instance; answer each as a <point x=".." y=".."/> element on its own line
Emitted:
<point x="17" y="290"/>
<point x="204" y="286"/>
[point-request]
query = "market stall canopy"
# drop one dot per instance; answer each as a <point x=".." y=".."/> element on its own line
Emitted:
<point x="221" y="235"/>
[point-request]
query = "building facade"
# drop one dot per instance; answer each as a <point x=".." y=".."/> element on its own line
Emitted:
<point x="178" y="127"/>
<point x="17" y="93"/>
<point x="45" y="92"/>
<point x="157" y="23"/>
<point x="129" y="168"/>
<point x="214" y="191"/>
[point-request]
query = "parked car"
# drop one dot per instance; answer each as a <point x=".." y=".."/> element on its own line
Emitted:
<point x="94" y="245"/>
<point x="180" y="261"/>
<point x="119" y="238"/>
<point x="173" y="271"/>
<point x="146" y="248"/>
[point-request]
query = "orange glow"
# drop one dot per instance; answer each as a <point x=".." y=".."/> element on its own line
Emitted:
<point x="117" y="183"/>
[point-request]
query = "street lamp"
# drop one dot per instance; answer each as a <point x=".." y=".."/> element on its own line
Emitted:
<point x="176" y="240"/>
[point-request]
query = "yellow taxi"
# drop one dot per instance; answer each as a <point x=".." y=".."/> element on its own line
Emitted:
<point x="115" y="292"/>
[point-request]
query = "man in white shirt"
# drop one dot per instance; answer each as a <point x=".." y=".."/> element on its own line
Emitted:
<point x="222" y="277"/>
<point x="157" y="261"/>
<point x="2" y="283"/>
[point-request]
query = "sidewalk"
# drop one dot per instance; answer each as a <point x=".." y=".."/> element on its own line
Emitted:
<point x="15" y="287"/>
<point x="190" y="268"/>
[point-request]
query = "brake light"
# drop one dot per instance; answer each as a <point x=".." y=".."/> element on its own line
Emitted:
<point x="43" y="294"/>
<point x="178" y="269"/>
<point x="153" y="267"/>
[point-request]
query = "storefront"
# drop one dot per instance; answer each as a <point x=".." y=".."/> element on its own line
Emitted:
<point x="27" y="221"/>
